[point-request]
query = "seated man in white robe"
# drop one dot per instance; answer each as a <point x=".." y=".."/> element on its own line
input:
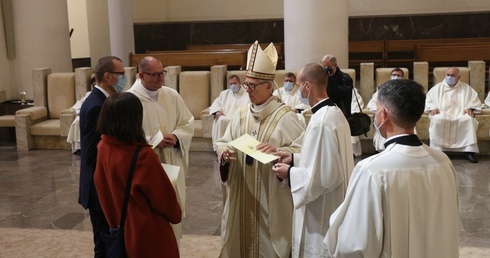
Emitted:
<point x="487" y="100"/>
<point x="225" y="106"/>
<point x="378" y="140"/>
<point x="289" y="93"/>
<point x="451" y="105"/>
<point x="73" y="137"/>
<point x="317" y="176"/>
<point x="402" y="202"/>
<point x="356" y="106"/>
<point x="258" y="210"/>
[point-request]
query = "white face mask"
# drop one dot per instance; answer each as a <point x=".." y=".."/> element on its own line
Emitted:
<point x="395" y="77"/>
<point x="235" y="88"/>
<point x="305" y="101"/>
<point x="451" y="81"/>
<point x="288" y="86"/>
<point x="374" y="123"/>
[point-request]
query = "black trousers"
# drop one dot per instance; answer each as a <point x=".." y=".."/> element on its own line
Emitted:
<point x="99" y="228"/>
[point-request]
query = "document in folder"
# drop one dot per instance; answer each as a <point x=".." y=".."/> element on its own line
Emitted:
<point x="247" y="144"/>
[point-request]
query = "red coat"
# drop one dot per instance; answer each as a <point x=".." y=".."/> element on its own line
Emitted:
<point x="152" y="203"/>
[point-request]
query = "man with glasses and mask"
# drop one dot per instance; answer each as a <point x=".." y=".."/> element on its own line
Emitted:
<point x="452" y="105"/>
<point x="402" y="202"/>
<point x="225" y="106"/>
<point x="258" y="210"/>
<point x="378" y="140"/>
<point x="109" y="78"/>
<point x="164" y="110"/>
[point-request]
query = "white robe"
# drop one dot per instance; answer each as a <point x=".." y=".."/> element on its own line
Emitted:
<point x="378" y="139"/>
<point x="451" y="129"/>
<point x="227" y="103"/>
<point x="354" y="107"/>
<point x="319" y="179"/>
<point x="170" y="115"/>
<point x="74" y="133"/>
<point x="257" y="213"/>
<point x="290" y="98"/>
<point x="487" y="100"/>
<point x="402" y="202"/>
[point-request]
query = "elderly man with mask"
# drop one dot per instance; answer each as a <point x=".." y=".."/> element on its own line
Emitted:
<point x="451" y="105"/>
<point x="258" y="211"/>
<point x="225" y="106"/>
<point x="378" y="139"/>
<point x="340" y="84"/>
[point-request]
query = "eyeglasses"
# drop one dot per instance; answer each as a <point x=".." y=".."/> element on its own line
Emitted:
<point x="252" y="86"/>
<point x="156" y="74"/>
<point x="118" y="73"/>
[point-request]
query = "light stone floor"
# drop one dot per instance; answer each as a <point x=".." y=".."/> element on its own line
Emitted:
<point x="40" y="216"/>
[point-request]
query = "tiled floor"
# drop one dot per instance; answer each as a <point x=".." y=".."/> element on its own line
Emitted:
<point x="39" y="191"/>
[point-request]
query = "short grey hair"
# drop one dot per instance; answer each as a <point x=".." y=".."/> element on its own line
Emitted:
<point x="332" y="59"/>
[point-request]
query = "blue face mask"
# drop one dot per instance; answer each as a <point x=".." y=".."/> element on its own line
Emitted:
<point x="235" y="88"/>
<point x="288" y="86"/>
<point x="305" y="101"/>
<point x="121" y="83"/>
<point x="450" y="80"/>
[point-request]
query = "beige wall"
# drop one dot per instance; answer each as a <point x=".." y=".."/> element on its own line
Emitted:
<point x="6" y="83"/>
<point x="216" y="10"/>
<point x="77" y="18"/>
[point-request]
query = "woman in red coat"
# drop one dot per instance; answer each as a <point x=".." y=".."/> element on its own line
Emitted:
<point x="153" y="203"/>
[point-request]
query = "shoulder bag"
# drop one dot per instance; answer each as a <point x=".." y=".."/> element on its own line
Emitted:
<point x="359" y="123"/>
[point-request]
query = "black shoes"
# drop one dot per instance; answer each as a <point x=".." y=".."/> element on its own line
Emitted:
<point x="471" y="157"/>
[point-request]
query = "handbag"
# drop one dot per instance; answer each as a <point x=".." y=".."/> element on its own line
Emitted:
<point x="114" y="239"/>
<point x="359" y="123"/>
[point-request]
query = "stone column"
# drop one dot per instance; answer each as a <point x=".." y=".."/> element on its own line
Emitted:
<point x="218" y="80"/>
<point x="477" y="77"/>
<point x="421" y="74"/>
<point x="313" y="29"/>
<point x="82" y="81"/>
<point x="121" y="29"/>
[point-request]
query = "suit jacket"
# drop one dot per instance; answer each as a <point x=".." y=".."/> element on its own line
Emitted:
<point x="89" y="138"/>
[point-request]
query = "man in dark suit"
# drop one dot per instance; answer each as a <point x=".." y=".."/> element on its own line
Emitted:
<point x="340" y="85"/>
<point x="109" y="77"/>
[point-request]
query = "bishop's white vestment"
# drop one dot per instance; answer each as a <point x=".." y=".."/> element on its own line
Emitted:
<point x="257" y="213"/>
<point x="319" y="178"/>
<point x="451" y="129"/>
<point x="227" y="103"/>
<point x="402" y="202"/>
<point x="169" y="114"/>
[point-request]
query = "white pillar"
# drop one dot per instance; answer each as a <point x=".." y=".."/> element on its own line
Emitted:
<point x="121" y="29"/>
<point x="314" y="28"/>
<point x="41" y="40"/>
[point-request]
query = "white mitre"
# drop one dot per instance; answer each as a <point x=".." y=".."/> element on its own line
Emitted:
<point x="261" y="64"/>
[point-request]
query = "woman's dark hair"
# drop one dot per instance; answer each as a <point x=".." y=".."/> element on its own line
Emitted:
<point x="122" y="117"/>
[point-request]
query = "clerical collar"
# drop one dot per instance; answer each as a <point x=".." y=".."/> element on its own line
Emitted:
<point x="404" y="139"/>
<point x="322" y="103"/>
<point x="258" y="108"/>
<point x="152" y="94"/>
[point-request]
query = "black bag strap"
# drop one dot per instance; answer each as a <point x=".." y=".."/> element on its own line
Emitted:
<point x="128" y="186"/>
<point x="357" y="100"/>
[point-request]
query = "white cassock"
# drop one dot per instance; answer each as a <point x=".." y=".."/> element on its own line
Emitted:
<point x="451" y="129"/>
<point x="378" y="140"/>
<point x="319" y="179"/>
<point x="291" y="99"/>
<point x="258" y="210"/>
<point x="169" y="114"/>
<point x="74" y="133"/>
<point x="487" y="100"/>
<point x="402" y="202"/>
<point x="354" y="107"/>
<point x="227" y="103"/>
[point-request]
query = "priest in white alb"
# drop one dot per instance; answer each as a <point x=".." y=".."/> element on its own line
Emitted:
<point x="452" y="105"/>
<point x="402" y="202"/>
<point x="226" y="105"/>
<point x="165" y="111"/>
<point x="257" y="213"/>
<point x="317" y="176"/>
